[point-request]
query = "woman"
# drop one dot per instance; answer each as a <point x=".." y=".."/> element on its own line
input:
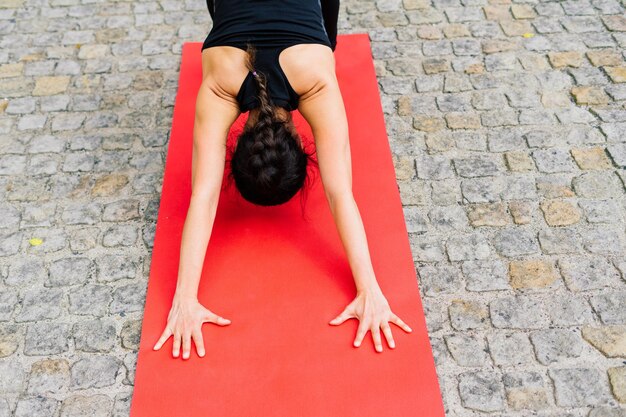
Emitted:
<point x="270" y="57"/>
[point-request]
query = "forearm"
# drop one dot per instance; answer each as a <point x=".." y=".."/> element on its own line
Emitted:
<point x="352" y="233"/>
<point x="195" y="239"/>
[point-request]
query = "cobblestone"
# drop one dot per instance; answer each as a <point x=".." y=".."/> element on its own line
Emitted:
<point x="506" y="121"/>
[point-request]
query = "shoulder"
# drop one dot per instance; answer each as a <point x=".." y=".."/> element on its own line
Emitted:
<point x="309" y="67"/>
<point x="224" y="70"/>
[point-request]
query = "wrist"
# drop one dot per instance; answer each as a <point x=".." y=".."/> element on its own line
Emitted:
<point x="369" y="289"/>
<point x="182" y="296"/>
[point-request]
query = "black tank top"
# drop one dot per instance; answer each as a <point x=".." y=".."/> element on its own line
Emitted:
<point x="271" y="26"/>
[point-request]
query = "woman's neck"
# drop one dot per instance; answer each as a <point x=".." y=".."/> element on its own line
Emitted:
<point x="283" y="114"/>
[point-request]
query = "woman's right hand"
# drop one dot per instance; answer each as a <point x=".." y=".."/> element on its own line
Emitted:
<point x="184" y="322"/>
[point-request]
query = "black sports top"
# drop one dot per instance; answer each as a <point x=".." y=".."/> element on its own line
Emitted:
<point x="270" y="26"/>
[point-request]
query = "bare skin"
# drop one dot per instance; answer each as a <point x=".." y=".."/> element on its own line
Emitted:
<point x="310" y="69"/>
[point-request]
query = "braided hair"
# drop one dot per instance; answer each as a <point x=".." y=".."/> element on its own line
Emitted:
<point x="268" y="165"/>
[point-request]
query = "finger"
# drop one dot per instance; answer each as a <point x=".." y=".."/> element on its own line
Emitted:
<point x="214" y="318"/>
<point x="186" y="345"/>
<point x="376" y="336"/>
<point x="387" y="333"/>
<point x="398" y="321"/>
<point x="198" y="340"/>
<point x="164" y="336"/>
<point x="360" y="334"/>
<point x="176" y="346"/>
<point x="343" y="316"/>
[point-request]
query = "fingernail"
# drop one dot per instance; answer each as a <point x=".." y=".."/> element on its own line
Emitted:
<point x="356" y="344"/>
<point x="378" y="348"/>
<point x="393" y="345"/>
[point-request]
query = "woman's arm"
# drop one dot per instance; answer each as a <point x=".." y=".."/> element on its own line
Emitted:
<point x="213" y="117"/>
<point x="324" y="110"/>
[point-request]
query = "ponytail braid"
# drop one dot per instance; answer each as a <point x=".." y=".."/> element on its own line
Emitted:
<point x="268" y="165"/>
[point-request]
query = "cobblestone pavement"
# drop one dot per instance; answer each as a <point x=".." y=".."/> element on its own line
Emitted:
<point x="507" y="125"/>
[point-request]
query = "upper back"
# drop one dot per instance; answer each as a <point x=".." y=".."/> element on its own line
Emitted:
<point x="306" y="66"/>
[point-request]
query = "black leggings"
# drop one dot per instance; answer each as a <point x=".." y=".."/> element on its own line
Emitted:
<point x="330" y="13"/>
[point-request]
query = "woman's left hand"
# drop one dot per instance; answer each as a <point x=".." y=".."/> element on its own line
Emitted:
<point x="372" y="310"/>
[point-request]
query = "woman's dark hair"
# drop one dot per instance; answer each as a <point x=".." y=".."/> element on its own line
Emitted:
<point x="269" y="164"/>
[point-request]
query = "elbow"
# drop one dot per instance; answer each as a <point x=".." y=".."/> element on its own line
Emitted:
<point x="336" y="197"/>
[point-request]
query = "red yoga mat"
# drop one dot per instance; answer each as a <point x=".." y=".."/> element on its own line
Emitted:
<point x="280" y="278"/>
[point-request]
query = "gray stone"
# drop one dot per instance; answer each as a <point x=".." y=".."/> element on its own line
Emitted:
<point x="467" y="350"/>
<point x="580" y="387"/>
<point x="8" y="302"/>
<point x="479" y="166"/>
<point x="618" y="154"/>
<point x="21" y="105"/>
<point x="607" y="412"/>
<point x="510" y="349"/>
<point x="94" y="371"/>
<point x="611" y="307"/>
<point x="82" y="213"/>
<point x="464" y="247"/>
<point x="603" y="240"/>
<point x="131" y="334"/>
<point x="443" y="279"/>
<point x="69" y="271"/>
<point x="482" y="190"/>
<point x="130" y="363"/>
<point x="485" y="275"/>
<point x="120" y="235"/>
<point x="426" y="249"/>
<point x="10" y="216"/>
<point x="91" y="300"/>
<point x="98" y="405"/>
<point x="128" y="298"/>
<point x="559" y="241"/>
<point x="28" y="270"/>
<point x="122" y="405"/>
<point x="416" y="222"/>
<point x="599" y="185"/>
<point x="115" y="267"/>
<point x="448" y="217"/>
<point x="466" y="315"/>
<point x="46" y="338"/>
<point x="49" y="376"/>
<point x="95" y="335"/>
<point x="13" y="376"/>
<point x="513" y="242"/>
<point x="601" y="211"/>
<point x="32" y="122"/>
<point x="481" y="390"/>
<point x="12" y="164"/>
<point x="553" y="160"/>
<point x="527" y="390"/>
<point x="518" y="312"/>
<point x="433" y="167"/>
<point x="588" y="273"/>
<point x="566" y="309"/>
<point x="36" y="406"/>
<point x="488" y="100"/>
<point x="541" y="139"/>
<point x="78" y="162"/>
<point x="40" y="304"/>
<point x="505" y="139"/>
<point x="555" y="345"/>
<point x="122" y="210"/>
